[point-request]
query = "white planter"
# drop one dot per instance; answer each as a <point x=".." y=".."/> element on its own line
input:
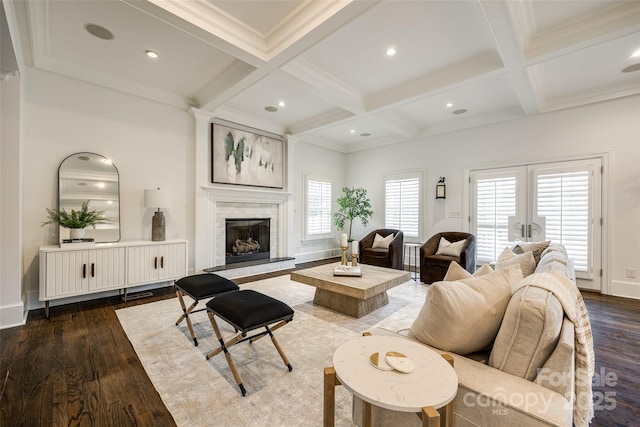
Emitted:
<point x="76" y="233"/>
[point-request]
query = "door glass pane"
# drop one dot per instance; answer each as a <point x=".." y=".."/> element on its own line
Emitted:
<point x="563" y="199"/>
<point x="495" y="203"/>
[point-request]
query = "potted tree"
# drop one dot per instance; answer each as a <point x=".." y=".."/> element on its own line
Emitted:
<point x="354" y="203"/>
<point x="76" y="221"/>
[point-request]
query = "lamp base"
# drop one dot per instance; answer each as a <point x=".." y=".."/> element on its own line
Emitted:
<point x="158" y="227"/>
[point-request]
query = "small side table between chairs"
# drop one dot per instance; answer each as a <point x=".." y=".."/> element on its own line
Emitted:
<point x="413" y="249"/>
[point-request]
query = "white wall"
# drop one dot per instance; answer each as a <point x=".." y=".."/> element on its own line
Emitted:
<point x="319" y="162"/>
<point x="12" y="311"/>
<point x="611" y="126"/>
<point x="151" y="144"/>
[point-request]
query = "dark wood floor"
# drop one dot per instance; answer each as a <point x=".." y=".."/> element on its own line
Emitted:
<point x="79" y="369"/>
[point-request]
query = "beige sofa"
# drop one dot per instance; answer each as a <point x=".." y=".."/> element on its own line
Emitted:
<point x="527" y="378"/>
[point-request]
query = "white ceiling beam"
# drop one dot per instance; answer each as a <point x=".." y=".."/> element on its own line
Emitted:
<point x="321" y="121"/>
<point x="510" y="52"/>
<point x="616" y="20"/>
<point x="439" y="81"/>
<point x="398" y="123"/>
<point x="321" y="84"/>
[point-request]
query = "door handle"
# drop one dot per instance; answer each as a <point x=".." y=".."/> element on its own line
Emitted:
<point x="522" y="231"/>
<point x="162" y="262"/>
<point x="84" y="271"/>
<point x="529" y="231"/>
<point x="155" y="263"/>
<point x="93" y="270"/>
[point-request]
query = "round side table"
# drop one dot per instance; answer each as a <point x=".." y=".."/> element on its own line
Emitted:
<point x="433" y="384"/>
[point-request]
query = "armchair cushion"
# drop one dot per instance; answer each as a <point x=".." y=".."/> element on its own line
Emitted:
<point x="446" y="247"/>
<point x="382" y="242"/>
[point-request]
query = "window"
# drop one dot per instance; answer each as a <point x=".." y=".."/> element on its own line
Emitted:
<point x="402" y="204"/>
<point x="318" y="209"/>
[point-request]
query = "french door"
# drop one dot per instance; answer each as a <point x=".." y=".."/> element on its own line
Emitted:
<point x="560" y="202"/>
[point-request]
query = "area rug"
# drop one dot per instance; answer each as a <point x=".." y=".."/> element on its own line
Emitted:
<point x="200" y="392"/>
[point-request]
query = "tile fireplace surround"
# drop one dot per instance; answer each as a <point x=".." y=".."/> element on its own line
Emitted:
<point x="223" y="203"/>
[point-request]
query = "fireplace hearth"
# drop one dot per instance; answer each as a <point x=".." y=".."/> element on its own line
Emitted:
<point x="247" y="239"/>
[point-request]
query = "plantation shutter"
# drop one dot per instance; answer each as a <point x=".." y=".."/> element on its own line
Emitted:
<point x="402" y="205"/>
<point x="562" y="197"/>
<point x="496" y="201"/>
<point x="318" y="207"/>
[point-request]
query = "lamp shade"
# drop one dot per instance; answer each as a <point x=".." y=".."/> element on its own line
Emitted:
<point x="157" y="198"/>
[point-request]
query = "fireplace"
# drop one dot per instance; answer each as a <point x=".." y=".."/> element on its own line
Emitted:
<point x="247" y="239"/>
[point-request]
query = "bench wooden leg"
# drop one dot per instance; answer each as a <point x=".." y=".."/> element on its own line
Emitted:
<point x="185" y="315"/>
<point x="227" y="355"/>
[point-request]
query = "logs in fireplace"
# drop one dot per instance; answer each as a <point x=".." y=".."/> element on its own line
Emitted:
<point x="247" y="239"/>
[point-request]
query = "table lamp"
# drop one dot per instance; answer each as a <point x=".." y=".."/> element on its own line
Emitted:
<point x="157" y="199"/>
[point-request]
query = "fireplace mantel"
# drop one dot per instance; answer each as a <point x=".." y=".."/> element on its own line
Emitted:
<point x="244" y="194"/>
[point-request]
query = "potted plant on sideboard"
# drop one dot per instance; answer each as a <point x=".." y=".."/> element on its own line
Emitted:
<point x="76" y="221"/>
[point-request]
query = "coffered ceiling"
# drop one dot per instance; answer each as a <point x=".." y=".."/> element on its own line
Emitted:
<point x="326" y="60"/>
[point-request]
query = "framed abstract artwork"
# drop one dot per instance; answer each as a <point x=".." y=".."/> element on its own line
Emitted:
<point x="244" y="157"/>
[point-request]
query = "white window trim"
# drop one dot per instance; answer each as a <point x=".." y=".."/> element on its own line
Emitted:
<point x="422" y="203"/>
<point x="316" y="238"/>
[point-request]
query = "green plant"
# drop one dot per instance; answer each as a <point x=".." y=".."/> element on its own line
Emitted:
<point x="76" y="219"/>
<point x="354" y="203"/>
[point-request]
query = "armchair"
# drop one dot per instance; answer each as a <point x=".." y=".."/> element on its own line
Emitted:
<point x="391" y="257"/>
<point x="434" y="267"/>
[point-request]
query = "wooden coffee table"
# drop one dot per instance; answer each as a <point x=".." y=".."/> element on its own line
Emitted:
<point x="354" y="296"/>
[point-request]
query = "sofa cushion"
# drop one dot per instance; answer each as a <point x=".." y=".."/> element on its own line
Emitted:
<point x="382" y="242"/>
<point x="456" y="272"/>
<point x="528" y="334"/>
<point x="464" y="316"/>
<point x="554" y="247"/>
<point x="558" y="267"/>
<point x="446" y="247"/>
<point x="534" y="247"/>
<point x="526" y="261"/>
<point x="554" y="256"/>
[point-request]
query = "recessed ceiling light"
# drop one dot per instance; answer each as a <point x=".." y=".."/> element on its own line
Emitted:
<point x="635" y="54"/>
<point x="270" y="108"/>
<point x="449" y="104"/>
<point x="98" y="31"/>
<point x="151" y="54"/>
<point x="391" y="51"/>
<point x="460" y="111"/>
<point x="365" y="134"/>
<point x="281" y="104"/>
<point x="631" y="68"/>
<point x="352" y="131"/>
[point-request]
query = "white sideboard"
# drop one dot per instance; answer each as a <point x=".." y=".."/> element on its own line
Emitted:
<point x="71" y="271"/>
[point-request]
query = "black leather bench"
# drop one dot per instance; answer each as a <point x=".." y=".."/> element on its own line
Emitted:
<point x="200" y="287"/>
<point x="246" y="311"/>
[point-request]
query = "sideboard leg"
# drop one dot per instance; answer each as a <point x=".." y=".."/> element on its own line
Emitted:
<point x="46" y="309"/>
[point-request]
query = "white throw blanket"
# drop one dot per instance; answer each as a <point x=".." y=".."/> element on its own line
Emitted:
<point x="575" y="310"/>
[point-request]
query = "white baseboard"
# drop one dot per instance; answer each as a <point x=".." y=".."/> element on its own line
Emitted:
<point x="625" y="289"/>
<point x="35" y="303"/>
<point x="12" y="315"/>
<point x="317" y="255"/>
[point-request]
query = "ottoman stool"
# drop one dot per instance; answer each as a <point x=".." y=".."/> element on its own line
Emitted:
<point x="198" y="287"/>
<point x="247" y="310"/>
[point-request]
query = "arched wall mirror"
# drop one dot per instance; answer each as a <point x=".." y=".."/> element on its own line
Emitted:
<point x="92" y="177"/>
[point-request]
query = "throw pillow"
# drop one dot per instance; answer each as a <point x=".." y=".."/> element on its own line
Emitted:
<point x="464" y="316"/>
<point x="535" y="247"/>
<point x="456" y="272"/>
<point x="529" y="332"/>
<point x="526" y="261"/>
<point x="445" y="247"/>
<point x="382" y="242"/>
